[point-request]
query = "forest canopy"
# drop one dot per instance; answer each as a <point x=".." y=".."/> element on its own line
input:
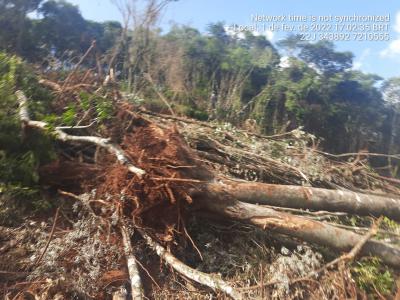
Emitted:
<point x="282" y="86"/>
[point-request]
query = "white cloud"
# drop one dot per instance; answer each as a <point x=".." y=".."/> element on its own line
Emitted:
<point x="394" y="46"/>
<point x="392" y="50"/>
<point x="269" y="35"/>
<point x="360" y="62"/>
<point x="397" y="24"/>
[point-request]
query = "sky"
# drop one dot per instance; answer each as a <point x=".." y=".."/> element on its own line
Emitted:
<point x="378" y="57"/>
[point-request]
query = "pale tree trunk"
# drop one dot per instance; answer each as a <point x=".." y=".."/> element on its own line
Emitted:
<point x="393" y="146"/>
<point x="216" y="198"/>
<point x="313" y="198"/>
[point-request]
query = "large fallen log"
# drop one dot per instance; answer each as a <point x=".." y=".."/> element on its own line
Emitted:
<point x="218" y="198"/>
<point x="313" y="198"/>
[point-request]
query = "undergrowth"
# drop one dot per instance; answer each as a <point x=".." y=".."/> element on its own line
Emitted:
<point x="372" y="276"/>
<point x="20" y="154"/>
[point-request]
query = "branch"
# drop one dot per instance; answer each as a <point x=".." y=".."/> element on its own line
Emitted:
<point x="161" y="96"/>
<point x="136" y="283"/>
<point x="348" y="257"/>
<point x="76" y="127"/>
<point x="197" y="276"/>
<point x="49" y="239"/>
<point x="361" y="153"/>
<point x="93" y="45"/>
<point x="62" y="136"/>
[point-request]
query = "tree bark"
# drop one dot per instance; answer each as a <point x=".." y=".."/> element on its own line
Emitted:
<point x="133" y="270"/>
<point x="217" y="198"/>
<point x="312" y="198"/>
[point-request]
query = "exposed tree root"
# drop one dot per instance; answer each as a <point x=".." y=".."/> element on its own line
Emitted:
<point x="171" y="179"/>
<point x="62" y="136"/>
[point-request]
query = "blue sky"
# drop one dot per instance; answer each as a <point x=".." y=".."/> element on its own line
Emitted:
<point x="382" y="58"/>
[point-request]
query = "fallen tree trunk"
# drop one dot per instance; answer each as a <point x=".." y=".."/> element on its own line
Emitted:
<point x="219" y="199"/>
<point x="313" y="198"/>
<point x="228" y="198"/>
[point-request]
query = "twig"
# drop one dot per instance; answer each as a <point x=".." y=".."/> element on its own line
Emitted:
<point x="348" y="257"/>
<point x="197" y="276"/>
<point x="148" y="274"/>
<point x="150" y="80"/>
<point x="13" y="273"/>
<point x="76" y="127"/>
<point x="320" y="213"/>
<point x="262" y="280"/>
<point x="62" y="136"/>
<point x="50" y="237"/>
<point x="177" y="179"/>
<point x="77" y="65"/>
<point x="392" y="180"/>
<point x="208" y="125"/>
<point x="191" y="240"/>
<point x="395" y="156"/>
<point x="363" y="229"/>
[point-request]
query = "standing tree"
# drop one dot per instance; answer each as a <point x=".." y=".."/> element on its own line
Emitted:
<point x="391" y="94"/>
<point x="322" y="55"/>
<point x="15" y="25"/>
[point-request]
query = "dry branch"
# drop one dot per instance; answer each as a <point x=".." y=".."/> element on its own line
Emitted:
<point x="348" y="257"/>
<point x="62" y="136"/>
<point x="213" y="282"/>
<point x="214" y="125"/>
<point x="49" y="239"/>
<point x="345" y="258"/>
<point x="92" y="46"/>
<point x="359" y="154"/>
<point x="161" y="96"/>
<point x="136" y="283"/>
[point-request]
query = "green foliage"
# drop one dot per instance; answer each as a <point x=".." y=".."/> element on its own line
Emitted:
<point x="391" y="91"/>
<point x="16" y="35"/>
<point x="196" y="114"/>
<point x="325" y="58"/>
<point x="390" y="224"/>
<point x="371" y="276"/>
<point x="317" y="89"/>
<point x="345" y="109"/>
<point x="68" y="117"/>
<point x="104" y="108"/>
<point x="20" y="155"/>
<point x="61" y="33"/>
<point x="23" y="168"/>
